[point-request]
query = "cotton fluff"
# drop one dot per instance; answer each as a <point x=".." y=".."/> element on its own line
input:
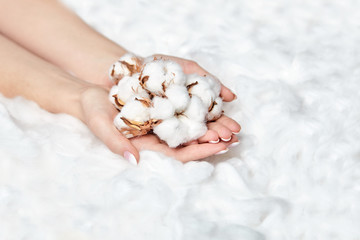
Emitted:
<point x="195" y="129"/>
<point x="178" y="96"/>
<point x="216" y="109"/>
<point x="199" y="86"/>
<point x="153" y="77"/>
<point x="136" y="111"/>
<point x="113" y="95"/>
<point x="159" y="97"/>
<point x="127" y="65"/>
<point x="196" y="110"/>
<point x="128" y="87"/>
<point x="173" y="73"/>
<point x="172" y="131"/>
<point x="159" y="74"/>
<point x="161" y="108"/>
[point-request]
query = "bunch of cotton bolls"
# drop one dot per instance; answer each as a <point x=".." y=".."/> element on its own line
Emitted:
<point x="155" y="95"/>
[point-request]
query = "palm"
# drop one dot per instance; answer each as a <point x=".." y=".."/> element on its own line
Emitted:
<point x="99" y="114"/>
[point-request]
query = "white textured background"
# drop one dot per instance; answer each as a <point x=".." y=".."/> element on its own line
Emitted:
<point x="295" y="66"/>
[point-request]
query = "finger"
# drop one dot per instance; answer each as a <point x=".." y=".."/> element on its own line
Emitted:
<point x="105" y="130"/>
<point x="224" y="132"/>
<point x="210" y="136"/>
<point x="231" y="124"/>
<point x="233" y="143"/>
<point x="199" y="151"/>
<point x="226" y="94"/>
<point x="191" y="143"/>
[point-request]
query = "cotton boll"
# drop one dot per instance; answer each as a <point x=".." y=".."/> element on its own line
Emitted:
<point x="136" y="110"/>
<point x="127" y="65"/>
<point x="153" y="77"/>
<point x="214" y="84"/>
<point x="172" y="131"/>
<point x="132" y="60"/>
<point x="174" y="74"/>
<point x="216" y="110"/>
<point x="113" y="92"/>
<point x="162" y="108"/>
<point x="130" y="86"/>
<point x="195" y="129"/>
<point x="178" y="96"/>
<point x="196" y="110"/>
<point x="119" y="123"/>
<point x="130" y="128"/>
<point x="122" y="126"/>
<point x="199" y="86"/>
<point x="118" y="71"/>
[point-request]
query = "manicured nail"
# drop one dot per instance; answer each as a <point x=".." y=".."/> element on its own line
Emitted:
<point x="226" y="140"/>
<point x="234" y="144"/>
<point x="130" y="157"/>
<point x="222" y="151"/>
<point x="236" y="132"/>
<point x="235" y="97"/>
<point x="215" y="141"/>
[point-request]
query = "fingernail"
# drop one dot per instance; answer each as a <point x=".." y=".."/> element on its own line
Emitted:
<point x="236" y="132"/>
<point x="215" y="141"/>
<point x="235" y="97"/>
<point x="226" y="140"/>
<point x="130" y="157"/>
<point x="222" y="151"/>
<point x="234" y="144"/>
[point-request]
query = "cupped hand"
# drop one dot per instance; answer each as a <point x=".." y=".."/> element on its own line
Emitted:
<point x="98" y="114"/>
<point x="222" y="129"/>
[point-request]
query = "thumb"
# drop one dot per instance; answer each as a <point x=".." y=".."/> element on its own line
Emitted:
<point x="115" y="141"/>
<point x="119" y="144"/>
<point x="226" y="94"/>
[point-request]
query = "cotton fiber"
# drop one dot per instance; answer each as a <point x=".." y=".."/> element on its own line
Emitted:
<point x="155" y="95"/>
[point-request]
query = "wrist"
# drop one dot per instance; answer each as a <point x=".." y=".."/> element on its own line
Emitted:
<point x="66" y="96"/>
<point x="95" y="69"/>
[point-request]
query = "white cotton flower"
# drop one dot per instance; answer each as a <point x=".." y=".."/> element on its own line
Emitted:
<point x="158" y="75"/>
<point x="214" y="84"/>
<point x="196" y="110"/>
<point x="129" y="86"/>
<point x="136" y="110"/>
<point x="195" y="129"/>
<point x="162" y="108"/>
<point x="216" y="110"/>
<point x="199" y="86"/>
<point x="173" y="74"/>
<point x="122" y="126"/>
<point x="153" y="77"/>
<point x="172" y="131"/>
<point x="119" y="123"/>
<point x="112" y="95"/>
<point x="163" y="99"/>
<point x="178" y="96"/>
<point x="118" y="71"/>
<point x="131" y="59"/>
<point x="127" y="65"/>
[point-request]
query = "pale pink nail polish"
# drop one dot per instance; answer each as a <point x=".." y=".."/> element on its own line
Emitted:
<point x="226" y="139"/>
<point x="234" y="144"/>
<point x="222" y="151"/>
<point x="130" y="157"/>
<point x="215" y="141"/>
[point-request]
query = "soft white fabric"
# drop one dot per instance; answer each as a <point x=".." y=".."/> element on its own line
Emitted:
<point x="295" y="175"/>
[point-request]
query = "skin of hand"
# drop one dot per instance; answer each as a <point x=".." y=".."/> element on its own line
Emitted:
<point x="99" y="114"/>
<point x="27" y="75"/>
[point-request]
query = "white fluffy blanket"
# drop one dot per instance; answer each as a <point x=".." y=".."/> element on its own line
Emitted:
<point x="295" y="68"/>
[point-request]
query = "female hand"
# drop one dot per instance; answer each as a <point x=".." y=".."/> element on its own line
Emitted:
<point x="98" y="114"/>
<point x="224" y="128"/>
